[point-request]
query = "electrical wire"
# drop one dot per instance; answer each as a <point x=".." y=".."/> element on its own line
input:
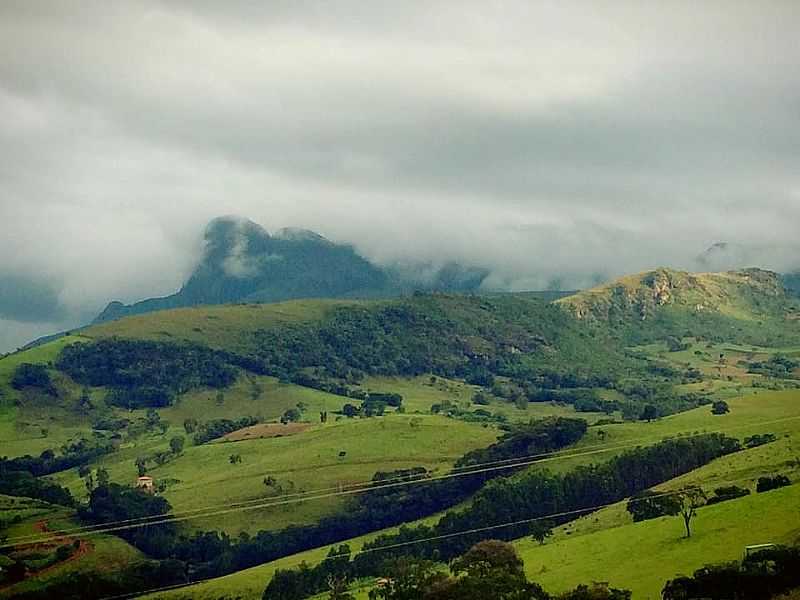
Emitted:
<point x="209" y="511"/>
<point x="455" y="534"/>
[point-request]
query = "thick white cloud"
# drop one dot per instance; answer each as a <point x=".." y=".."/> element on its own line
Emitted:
<point x="543" y="140"/>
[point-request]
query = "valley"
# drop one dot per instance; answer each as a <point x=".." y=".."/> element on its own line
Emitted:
<point x="269" y="430"/>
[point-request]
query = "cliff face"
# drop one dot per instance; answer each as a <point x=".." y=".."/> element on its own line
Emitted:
<point x="641" y="296"/>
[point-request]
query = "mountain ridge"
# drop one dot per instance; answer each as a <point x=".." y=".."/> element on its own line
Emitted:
<point x="242" y="262"/>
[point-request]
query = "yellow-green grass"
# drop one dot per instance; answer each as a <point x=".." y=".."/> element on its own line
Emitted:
<point x="225" y="326"/>
<point x="742" y="467"/>
<point x="202" y="405"/>
<point x="22" y="417"/>
<point x="642" y="556"/>
<point x="304" y="462"/>
<point x="754" y="413"/>
<point x="238" y="401"/>
<point x="718" y="360"/>
<point x="419" y="393"/>
<point x="698" y="292"/>
<point x="250" y="583"/>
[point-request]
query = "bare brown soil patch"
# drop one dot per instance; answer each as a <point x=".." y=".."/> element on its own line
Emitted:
<point x="266" y="430"/>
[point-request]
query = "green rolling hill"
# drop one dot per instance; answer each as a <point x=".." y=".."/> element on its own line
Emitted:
<point x="467" y="369"/>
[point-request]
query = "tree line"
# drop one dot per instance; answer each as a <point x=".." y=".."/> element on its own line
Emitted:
<point x="540" y="494"/>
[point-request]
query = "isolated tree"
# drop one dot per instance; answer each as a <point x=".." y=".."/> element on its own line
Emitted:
<point x="176" y="444"/>
<point x="406" y="578"/>
<point x="235" y="459"/>
<point x="481" y="399"/>
<point x="649" y="413"/>
<point x="490" y="569"/>
<point x="720" y="407"/>
<point x="597" y="591"/>
<point x="102" y="477"/>
<point x="220" y="399"/>
<point x="190" y="425"/>
<point x="348" y="410"/>
<point x="256" y="389"/>
<point x="152" y="418"/>
<point x="83" y="470"/>
<point x="85" y="402"/>
<point x="141" y="465"/>
<point x="541" y="530"/>
<point x="337" y="584"/>
<point x="691" y="499"/>
<point x="290" y="416"/>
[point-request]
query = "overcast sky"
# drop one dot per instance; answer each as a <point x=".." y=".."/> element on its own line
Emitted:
<point x="540" y="139"/>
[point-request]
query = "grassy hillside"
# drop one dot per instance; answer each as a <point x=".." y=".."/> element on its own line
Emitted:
<point x="31" y="422"/>
<point x="228" y="326"/>
<point x="101" y="553"/>
<point x="725" y="531"/>
<point x="665" y="339"/>
<point x="750" y="305"/>
<point x="642" y="556"/>
<point x="202" y="476"/>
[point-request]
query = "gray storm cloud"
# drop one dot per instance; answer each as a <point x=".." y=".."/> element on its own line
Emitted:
<point x="552" y="143"/>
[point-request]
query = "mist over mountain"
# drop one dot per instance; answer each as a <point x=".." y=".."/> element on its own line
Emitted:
<point x="727" y="256"/>
<point x="242" y="262"/>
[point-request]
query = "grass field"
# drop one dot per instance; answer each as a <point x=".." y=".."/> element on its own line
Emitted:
<point x="225" y="326"/>
<point x="371" y="445"/>
<point x="642" y="556"/>
<point x="352" y="450"/>
<point x="22" y="417"/>
<point x="419" y="393"/>
<point x="722" y="530"/>
<point x="203" y="475"/>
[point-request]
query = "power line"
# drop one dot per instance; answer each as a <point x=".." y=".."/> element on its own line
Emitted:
<point x="437" y="537"/>
<point x="209" y="511"/>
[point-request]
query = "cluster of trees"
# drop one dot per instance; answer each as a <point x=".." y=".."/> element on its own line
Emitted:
<point x="24" y="475"/>
<point x="385" y="505"/>
<point x="73" y="453"/>
<point x="539" y="495"/>
<point x="501" y="500"/>
<point x="101" y="583"/>
<point x="22" y="483"/>
<point x="479" y="415"/>
<point x="145" y="373"/>
<point x="372" y="405"/>
<point x="217" y="428"/>
<point x="112" y="502"/>
<point x="728" y="492"/>
<point x="759" y="439"/>
<point x="760" y="576"/>
<point x="490" y="569"/>
<point x="779" y="366"/>
<point x="765" y="484"/>
<point x="475" y="339"/>
<point x="32" y="375"/>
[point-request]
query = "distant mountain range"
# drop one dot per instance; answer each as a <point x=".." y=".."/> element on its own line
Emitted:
<point x="242" y="262"/>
